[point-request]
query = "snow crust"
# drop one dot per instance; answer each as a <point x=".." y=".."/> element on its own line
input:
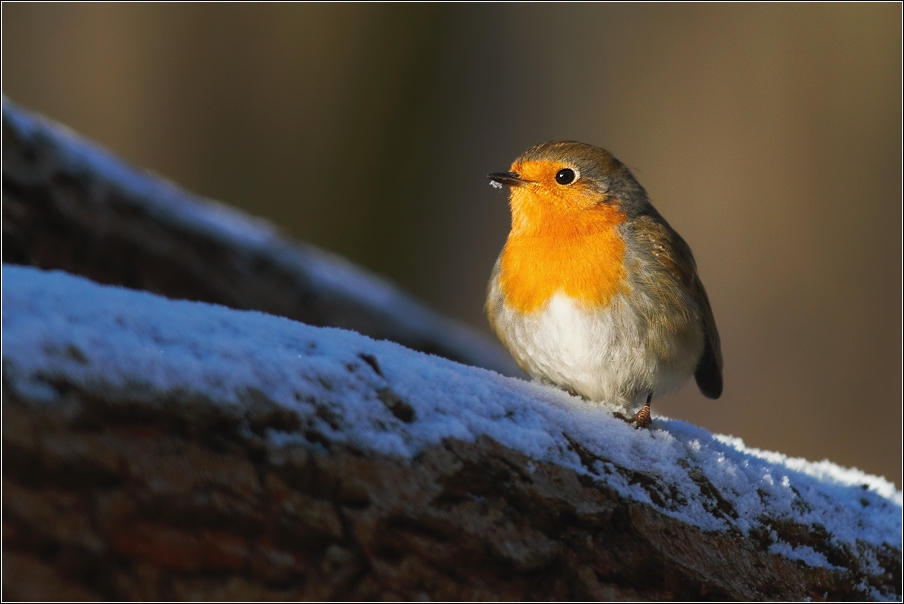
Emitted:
<point x="55" y="324"/>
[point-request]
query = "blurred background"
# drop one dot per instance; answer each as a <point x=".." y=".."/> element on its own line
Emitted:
<point x="768" y="135"/>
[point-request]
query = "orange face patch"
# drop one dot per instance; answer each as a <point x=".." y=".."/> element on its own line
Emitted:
<point x="563" y="239"/>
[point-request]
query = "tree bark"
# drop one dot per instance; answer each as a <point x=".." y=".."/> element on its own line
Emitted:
<point x="120" y="495"/>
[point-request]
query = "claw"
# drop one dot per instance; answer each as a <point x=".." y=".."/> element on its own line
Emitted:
<point x="641" y="419"/>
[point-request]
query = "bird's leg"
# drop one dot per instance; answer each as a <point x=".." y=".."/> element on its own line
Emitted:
<point x="642" y="419"/>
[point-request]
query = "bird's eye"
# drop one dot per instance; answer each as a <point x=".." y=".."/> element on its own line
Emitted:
<point x="566" y="176"/>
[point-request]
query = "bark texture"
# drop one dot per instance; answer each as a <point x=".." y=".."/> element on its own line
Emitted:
<point x="159" y="495"/>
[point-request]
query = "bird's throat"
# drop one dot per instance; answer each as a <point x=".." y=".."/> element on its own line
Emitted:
<point x="580" y="254"/>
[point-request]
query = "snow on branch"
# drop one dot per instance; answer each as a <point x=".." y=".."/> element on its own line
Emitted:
<point x="318" y="463"/>
<point x="71" y="205"/>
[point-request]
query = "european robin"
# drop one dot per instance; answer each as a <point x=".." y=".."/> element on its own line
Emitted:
<point x="594" y="292"/>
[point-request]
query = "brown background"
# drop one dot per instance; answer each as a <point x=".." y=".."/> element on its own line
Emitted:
<point x="768" y="135"/>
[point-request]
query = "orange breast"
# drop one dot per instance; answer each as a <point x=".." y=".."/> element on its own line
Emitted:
<point x="578" y="253"/>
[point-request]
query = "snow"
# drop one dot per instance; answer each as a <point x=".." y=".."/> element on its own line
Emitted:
<point x="55" y="324"/>
<point x="327" y="273"/>
<point x="804" y="553"/>
<point x="159" y="195"/>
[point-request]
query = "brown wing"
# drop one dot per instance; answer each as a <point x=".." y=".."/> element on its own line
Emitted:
<point x="672" y="251"/>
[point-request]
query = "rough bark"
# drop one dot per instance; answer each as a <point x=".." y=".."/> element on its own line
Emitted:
<point x="159" y="495"/>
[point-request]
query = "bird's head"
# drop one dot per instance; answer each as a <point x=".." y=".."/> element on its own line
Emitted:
<point x="567" y="181"/>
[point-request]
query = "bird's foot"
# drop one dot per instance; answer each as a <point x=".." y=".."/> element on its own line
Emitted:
<point x="641" y="419"/>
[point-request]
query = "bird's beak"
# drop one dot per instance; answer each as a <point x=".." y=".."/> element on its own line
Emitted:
<point x="511" y="179"/>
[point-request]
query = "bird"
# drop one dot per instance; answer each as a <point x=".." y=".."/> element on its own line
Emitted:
<point x="593" y="291"/>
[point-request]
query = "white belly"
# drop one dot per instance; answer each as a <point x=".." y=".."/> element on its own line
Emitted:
<point x="619" y="356"/>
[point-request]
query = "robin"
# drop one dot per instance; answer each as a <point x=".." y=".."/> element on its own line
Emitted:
<point x="594" y="292"/>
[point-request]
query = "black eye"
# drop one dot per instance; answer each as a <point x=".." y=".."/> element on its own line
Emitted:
<point x="566" y="176"/>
